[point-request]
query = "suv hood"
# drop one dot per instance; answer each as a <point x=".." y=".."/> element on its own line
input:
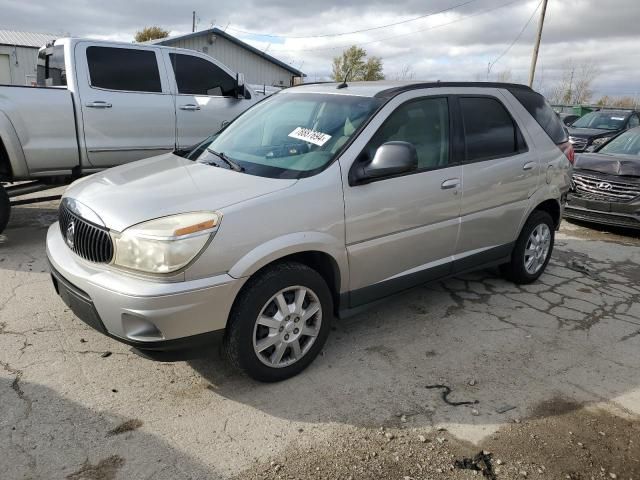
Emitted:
<point x="590" y="132"/>
<point x="166" y="185"/>
<point x="611" y="164"/>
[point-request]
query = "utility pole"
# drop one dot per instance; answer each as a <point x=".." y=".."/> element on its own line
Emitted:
<point x="193" y="23"/>
<point x="534" y="59"/>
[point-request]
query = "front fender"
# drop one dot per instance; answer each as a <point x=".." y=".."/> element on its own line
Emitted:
<point x="290" y="244"/>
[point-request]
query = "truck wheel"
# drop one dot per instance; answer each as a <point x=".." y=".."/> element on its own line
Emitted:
<point x="5" y="208"/>
<point x="532" y="251"/>
<point x="279" y="322"/>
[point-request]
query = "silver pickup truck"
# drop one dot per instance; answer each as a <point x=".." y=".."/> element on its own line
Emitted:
<point x="101" y="104"/>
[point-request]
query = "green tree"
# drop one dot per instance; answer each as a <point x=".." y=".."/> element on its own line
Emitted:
<point x="151" y="33"/>
<point x="354" y="65"/>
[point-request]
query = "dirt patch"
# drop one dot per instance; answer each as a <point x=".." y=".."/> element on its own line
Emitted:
<point x="104" y="470"/>
<point x="124" y="427"/>
<point x="561" y="441"/>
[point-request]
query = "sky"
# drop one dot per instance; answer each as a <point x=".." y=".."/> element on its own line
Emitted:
<point x="467" y="40"/>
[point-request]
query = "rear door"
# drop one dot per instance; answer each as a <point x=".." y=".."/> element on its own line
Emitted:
<point x="205" y="96"/>
<point x="401" y="231"/>
<point x="500" y="173"/>
<point x="127" y="107"/>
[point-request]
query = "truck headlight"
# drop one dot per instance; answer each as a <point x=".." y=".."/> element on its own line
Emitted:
<point x="165" y="244"/>
<point x="599" y="141"/>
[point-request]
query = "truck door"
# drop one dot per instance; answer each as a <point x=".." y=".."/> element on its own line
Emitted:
<point x="205" y="97"/>
<point x="126" y="103"/>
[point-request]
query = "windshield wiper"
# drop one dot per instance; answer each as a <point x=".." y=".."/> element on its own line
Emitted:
<point x="232" y="164"/>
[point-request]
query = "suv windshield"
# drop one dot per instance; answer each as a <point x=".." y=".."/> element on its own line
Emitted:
<point x="626" y="144"/>
<point x="601" y="120"/>
<point x="288" y="135"/>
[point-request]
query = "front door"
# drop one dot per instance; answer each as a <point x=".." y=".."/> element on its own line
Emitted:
<point x="206" y="97"/>
<point x="127" y="107"/>
<point x="500" y="174"/>
<point x="402" y="231"/>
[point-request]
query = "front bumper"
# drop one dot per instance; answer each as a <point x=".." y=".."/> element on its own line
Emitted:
<point x="146" y="314"/>
<point x="607" y="213"/>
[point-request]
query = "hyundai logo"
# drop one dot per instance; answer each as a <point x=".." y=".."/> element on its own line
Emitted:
<point x="605" y="186"/>
<point x="70" y="233"/>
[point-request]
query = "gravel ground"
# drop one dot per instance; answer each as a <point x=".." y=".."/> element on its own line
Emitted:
<point x="553" y="367"/>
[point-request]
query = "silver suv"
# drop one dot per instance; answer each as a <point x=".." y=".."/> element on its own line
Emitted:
<point x="316" y="201"/>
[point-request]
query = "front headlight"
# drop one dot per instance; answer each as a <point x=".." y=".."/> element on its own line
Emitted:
<point x="165" y="244"/>
<point x="599" y="141"/>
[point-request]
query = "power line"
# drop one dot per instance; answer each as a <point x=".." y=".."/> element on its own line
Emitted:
<point x="398" y="35"/>
<point x="515" y="39"/>
<point x="273" y="35"/>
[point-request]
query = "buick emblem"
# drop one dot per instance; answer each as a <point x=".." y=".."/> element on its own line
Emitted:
<point x="70" y="233"/>
<point x="604" y="186"/>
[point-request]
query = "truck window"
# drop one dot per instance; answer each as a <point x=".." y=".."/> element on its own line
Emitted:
<point x="51" y="69"/>
<point x="124" y="69"/>
<point x="197" y="76"/>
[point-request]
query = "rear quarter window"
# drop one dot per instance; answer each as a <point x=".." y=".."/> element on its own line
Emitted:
<point x="542" y="112"/>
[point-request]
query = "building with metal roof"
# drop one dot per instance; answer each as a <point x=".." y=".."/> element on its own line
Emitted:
<point x="19" y="56"/>
<point x="258" y="67"/>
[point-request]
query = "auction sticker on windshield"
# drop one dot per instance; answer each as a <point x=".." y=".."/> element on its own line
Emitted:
<point x="311" y="136"/>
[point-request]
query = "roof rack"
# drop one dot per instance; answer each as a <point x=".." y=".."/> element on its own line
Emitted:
<point x="393" y="91"/>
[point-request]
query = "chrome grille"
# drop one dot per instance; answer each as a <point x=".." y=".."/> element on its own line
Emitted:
<point x="579" y="144"/>
<point x="87" y="240"/>
<point x="594" y="188"/>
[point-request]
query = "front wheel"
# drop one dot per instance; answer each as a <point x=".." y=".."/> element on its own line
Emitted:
<point x="279" y="322"/>
<point x="5" y="208"/>
<point x="532" y="250"/>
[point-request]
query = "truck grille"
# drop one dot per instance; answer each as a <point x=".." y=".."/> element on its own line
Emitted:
<point x="579" y="144"/>
<point x="594" y="188"/>
<point x="87" y="240"/>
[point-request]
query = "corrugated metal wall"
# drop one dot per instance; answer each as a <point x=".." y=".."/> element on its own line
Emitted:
<point x="256" y="69"/>
<point x="22" y="63"/>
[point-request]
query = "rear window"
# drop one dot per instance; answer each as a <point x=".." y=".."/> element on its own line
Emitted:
<point x="539" y="109"/>
<point x="125" y="69"/>
<point x="489" y="130"/>
<point x="51" y="70"/>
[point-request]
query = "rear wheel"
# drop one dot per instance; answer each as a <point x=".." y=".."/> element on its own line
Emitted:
<point x="532" y="250"/>
<point x="5" y="208"/>
<point x="279" y="322"/>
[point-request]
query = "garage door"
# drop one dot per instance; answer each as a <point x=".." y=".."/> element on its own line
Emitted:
<point x="5" y="73"/>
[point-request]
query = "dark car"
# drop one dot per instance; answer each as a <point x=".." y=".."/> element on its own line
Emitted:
<point x="606" y="183"/>
<point x="596" y="128"/>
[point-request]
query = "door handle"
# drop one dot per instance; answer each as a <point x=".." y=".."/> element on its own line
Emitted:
<point x="450" y="183"/>
<point x="529" y="166"/>
<point x="99" y="104"/>
<point x="190" y="106"/>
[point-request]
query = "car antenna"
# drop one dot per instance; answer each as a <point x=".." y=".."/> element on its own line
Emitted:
<point x="344" y="82"/>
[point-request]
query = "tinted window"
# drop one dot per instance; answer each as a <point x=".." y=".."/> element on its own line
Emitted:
<point x="51" y="69"/>
<point x="540" y="110"/>
<point x="197" y="76"/>
<point x="423" y="123"/>
<point x="123" y="69"/>
<point x="489" y="130"/>
<point x="634" y="121"/>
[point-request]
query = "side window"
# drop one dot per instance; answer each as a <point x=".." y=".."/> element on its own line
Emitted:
<point x="197" y="76"/>
<point x="634" y="121"/>
<point x="423" y="123"/>
<point x="540" y="110"/>
<point x="489" y="130"/>
<point x="124" y="69"/>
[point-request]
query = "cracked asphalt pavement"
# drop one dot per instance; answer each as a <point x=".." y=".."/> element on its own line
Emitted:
<point x="553" y="367"/>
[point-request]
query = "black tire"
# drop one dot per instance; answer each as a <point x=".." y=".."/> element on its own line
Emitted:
<point x="515" y="270"/>
<point x="5" y="208"/>
<point x="238" y="341"/>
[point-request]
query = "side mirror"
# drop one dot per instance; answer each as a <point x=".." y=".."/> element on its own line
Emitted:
<point x="391" y="158"/>
<point x="241" y="89"/>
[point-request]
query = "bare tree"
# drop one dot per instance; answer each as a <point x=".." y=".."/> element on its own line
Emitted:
<point x="619" y="102"/>
<point x="576" y="84"/>
<point x="406" y="73"/>
<point x="504" y="76"/>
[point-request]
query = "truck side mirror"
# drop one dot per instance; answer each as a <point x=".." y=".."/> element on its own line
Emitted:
<point x="241" y="89"/>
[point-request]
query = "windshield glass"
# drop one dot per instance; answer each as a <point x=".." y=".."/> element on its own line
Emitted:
<point x="291" y="135"/>
<point x="626" y="144"/>
<point x="601" y="120"/>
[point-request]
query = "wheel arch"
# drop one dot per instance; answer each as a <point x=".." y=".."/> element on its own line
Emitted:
<point x="552" y="207"/>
